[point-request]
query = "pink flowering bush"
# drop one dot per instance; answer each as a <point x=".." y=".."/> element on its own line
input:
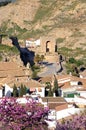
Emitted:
<point x="77" y="122"/>
<point x="29" y="116"/>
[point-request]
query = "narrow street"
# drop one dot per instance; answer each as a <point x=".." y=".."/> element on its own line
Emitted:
<point x="51" y="68"/>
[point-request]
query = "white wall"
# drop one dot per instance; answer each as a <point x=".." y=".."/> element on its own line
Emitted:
<point x="42" y="93"/>
<point x="8" y="90"/>
<point x="57" y="115"/>
<point x="76" y="100"/>
<point x="32" y="43"/>
<point x="82" y="93"/>
<point x="73" y="83"/>
<point x="0" y="92"/>
<point x="66" y="112"/>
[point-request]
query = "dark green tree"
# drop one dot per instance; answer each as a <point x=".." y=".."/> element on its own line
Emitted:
<point x="50" y="93"/>
<point x="25" y="90"/>
<point x="49" y="89"/>
<point x="72" y="60"/>
<point x="15" y="91"/>
<point x="42" y="58"/>
<point x="34" y="74"/>
<point x="37" y="58"/>
<point x="22" y="90"/>
<point x="56" y="86"/>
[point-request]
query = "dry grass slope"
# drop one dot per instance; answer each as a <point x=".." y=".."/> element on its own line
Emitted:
<point x="64" y="20"/>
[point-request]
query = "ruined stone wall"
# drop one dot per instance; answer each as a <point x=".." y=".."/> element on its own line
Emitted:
<point x="47" y="44"/>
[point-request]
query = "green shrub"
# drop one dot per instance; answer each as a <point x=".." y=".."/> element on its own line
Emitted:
<point x="15" y="91"/>
<point x="45" y="10"/>
<point x="66" y="52"/>
<point x="8" y="49"/>
<point x="72" y="60"/>
<point x="22" y="90"/>
<point x="60" y="40"/>
<point x="34" y="74"/>
<point x="0" y="58"/>
<point x="77" y="62"/>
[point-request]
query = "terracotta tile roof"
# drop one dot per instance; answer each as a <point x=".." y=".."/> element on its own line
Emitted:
<point x="46" y="79"/>
<point x="59" y="78"/>
<point x="58" y="106"/>
<point x="28" y="84"/>
<point x="7" y="80"/>
<point x="3" y="74"/>
<point x="65" y="85"/>
<point x="54" y="99"/>
<point x="11" y="80"/>
<point x="62" y="78"/>
<point x="53" y="105"/>
<point x="8" y="66"/>
<point x="81" y="89"/>
<point x="82" y="97"/>
<point x="51" y="77"/>
<point x="73" y="78"/>
<point x="11" y="69"/>
<point x="61" y="106"/>
<point x="15" y="73"/>
<point x="57" y="103"/>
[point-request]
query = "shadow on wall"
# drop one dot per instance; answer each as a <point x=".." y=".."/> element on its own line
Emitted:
<point x="8" y="94"/>
<point x="26" y="55"/>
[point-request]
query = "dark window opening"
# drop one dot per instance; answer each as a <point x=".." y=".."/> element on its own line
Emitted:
<point x="80" y="83"/>
<point x="47" y="48"/>
<point x="55" y="48"/>
<point x="3" y="91"/>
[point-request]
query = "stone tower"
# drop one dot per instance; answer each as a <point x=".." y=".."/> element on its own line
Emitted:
<point x="48" y="44"/>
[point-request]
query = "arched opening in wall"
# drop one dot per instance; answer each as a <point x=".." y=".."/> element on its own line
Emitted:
<point x="56" y="47"/>
<point x="47" y="46"/>
<point x="82" y="69"/>
<point x="80" y="83"/>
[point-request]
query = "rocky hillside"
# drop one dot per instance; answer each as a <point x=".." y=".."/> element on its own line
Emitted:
<point x="65" y="20"/>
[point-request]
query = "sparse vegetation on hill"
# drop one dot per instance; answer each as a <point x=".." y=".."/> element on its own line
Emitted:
<point x="74" y="59"/>
<point x="0" y="58"/>
<point x="8" y="49"/>
<point x="78" y="53"/>
<point x="63" y="20"/>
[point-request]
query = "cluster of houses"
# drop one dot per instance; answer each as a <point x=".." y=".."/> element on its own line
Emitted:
<point x="11" y="73"/>
<point x="72" y="96"/>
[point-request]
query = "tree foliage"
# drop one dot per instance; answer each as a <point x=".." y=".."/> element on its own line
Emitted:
<point x="15" y="91"/>
<point x="76" y="62"/>
<point x="14" y="116"/>
<point x="39" y="58"/>
<point x="55" y="88"/>
<point x="48" y="89"/>
<point x="22" y="90"/>
<point x="77" y="122"/>
<point x="50" y="92"/>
